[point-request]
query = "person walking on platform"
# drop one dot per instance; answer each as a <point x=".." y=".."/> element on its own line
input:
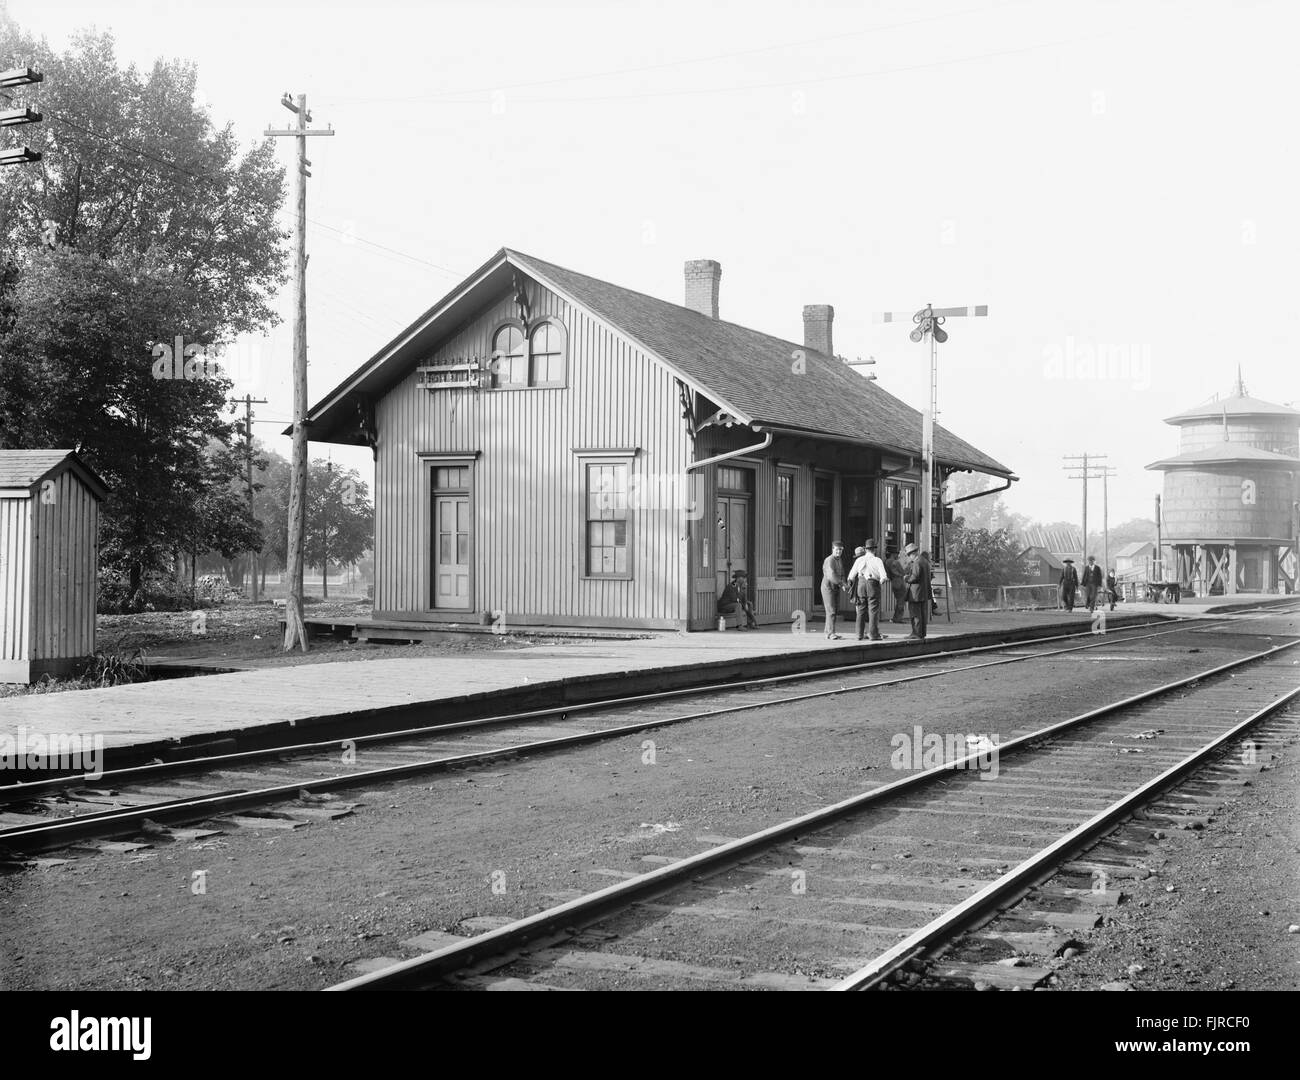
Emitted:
<point x="832" y="583"/>
<point x="919" y="596"/>
<point x="1091" y="582"/>
<point x="898" y="584"/>
<point x="866" y="580"/>
<point x="1068" y="586"/>
<point x="1112" y="588"/>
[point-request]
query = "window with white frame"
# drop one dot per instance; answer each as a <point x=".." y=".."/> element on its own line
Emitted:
<point x="607" y="532"/>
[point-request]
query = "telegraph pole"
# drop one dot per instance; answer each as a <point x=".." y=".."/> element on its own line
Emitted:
<point x="1106" y="474"/>
<point x="295" y="633"/>
<point x="248" y="401"/>
<point x="23" y="76"/>
<point x="1086" y="472"/>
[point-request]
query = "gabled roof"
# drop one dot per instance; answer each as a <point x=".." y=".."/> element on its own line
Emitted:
<point x="28" y="469"/>
<point x="748" y="373"/>
<point x="1131" y="549"/>
<point x="1227" y="453"/>
<point x="1234" y="405"/>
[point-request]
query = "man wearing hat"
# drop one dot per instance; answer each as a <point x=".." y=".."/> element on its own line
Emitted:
<point x="832" y="582"/>
<point x="1068" y="586"/>
<point x="896" y="580"/>
<point x="866" y="579"/>
<point x="919" y="594"/>
<point x="1091" y="582"/>
<point x="736" y="595"/>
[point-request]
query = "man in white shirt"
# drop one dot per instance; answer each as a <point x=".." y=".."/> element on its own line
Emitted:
<point x="866" y="579"/>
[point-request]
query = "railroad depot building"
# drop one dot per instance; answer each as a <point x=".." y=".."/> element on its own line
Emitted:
<point x="551" y="449"/>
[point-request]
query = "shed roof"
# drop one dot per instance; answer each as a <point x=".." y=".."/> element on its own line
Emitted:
<point x="27" y="469"/>
<point x="1059" y="541"/>
<point x="748" y="373"/>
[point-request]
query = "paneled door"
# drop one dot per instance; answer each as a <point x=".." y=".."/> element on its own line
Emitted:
<point x="451" y="552"/>
<point x="733" y="538"/>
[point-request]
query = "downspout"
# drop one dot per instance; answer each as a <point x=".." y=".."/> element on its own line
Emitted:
<point x="980" y="494"/>
<point x="767" y="441"/>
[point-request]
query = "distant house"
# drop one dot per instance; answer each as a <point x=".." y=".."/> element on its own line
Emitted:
<point x="553" y="449"/>
<point x="1135" y="558"/>
<point x="1042" y="567"/>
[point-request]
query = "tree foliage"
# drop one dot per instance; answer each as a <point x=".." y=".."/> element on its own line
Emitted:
<point x="340" y="518"/>
<point x="983" y="559"/>
<point x="142" y="224"/>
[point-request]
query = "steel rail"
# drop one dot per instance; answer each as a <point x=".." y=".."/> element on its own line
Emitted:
<point x="586" y="909"/>
<point x="1046" y="862"/>
<point x="34" y="788"/>
<point x="47" y="834"/>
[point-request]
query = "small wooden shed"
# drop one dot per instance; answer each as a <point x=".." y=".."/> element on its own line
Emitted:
<point x="49" y="552"/>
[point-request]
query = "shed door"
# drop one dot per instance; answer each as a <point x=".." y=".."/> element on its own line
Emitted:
<point x="451" y="551"/>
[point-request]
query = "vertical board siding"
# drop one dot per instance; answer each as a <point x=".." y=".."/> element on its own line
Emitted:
<point x="527" y="548"/>
<point x="64" y="553"/>
<point x="15" y="578"/>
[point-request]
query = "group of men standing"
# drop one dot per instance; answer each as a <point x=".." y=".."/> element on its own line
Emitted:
<point x="866" y="580"/>
<point x="1068" y="587"/>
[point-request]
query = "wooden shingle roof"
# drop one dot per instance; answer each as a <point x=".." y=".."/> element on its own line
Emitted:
<point x="26" y="469"/>
<point x="753" y="371"/>
<point x="743" y="370"/>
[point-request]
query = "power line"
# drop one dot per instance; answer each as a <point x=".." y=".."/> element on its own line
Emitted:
<point x="667" y="63"/>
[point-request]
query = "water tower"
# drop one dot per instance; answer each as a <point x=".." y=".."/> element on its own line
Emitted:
<point x="1230" y="496"/>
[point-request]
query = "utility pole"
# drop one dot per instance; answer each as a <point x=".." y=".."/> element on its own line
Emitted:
<point x="1087" y="472"/>
<point x="1106" y="474"/>
<point x="248" y="401"/>
<point x="295" y="633"/>
<point x="23" y="76"/>
<point x="929" y="320"/>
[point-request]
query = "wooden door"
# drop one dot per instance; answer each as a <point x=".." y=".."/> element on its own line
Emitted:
<point x="451" y="551"/>
<point x="732" y="539"/>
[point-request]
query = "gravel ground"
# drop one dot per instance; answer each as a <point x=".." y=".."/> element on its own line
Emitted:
<point x="291" y="909"/>
<point x="1221" y="910"/>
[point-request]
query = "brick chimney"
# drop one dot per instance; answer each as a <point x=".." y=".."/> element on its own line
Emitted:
<point x="702" y="279"/>
<point x="817" y="319"/>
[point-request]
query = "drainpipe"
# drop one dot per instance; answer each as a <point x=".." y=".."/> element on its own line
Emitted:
<point x="767" y="441"/>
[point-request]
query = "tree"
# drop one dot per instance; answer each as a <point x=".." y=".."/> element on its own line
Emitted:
<point x="340" y="518"/>
<point x="983" y="559"/>
<point x="141" y="225"/>
<point x="990" y="512"/>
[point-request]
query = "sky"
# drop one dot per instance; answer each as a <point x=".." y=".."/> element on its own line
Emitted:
<point x="1115" y="180"/>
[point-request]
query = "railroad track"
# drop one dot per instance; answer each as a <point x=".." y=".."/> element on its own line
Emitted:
<point x="849" y="896"/>
<point x="47" y="814"/>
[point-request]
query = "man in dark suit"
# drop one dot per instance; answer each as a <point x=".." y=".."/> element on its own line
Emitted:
<point x="1068" y="585"/>
<point x="919" y="596"/>
<point x="898" y="585"/>
<point x="1091" y="582"/>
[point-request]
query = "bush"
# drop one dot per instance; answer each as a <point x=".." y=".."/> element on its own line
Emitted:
<point x="157" y="592"/>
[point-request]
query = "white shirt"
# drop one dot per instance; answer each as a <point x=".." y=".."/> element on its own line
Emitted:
<point x="871" y="566"/>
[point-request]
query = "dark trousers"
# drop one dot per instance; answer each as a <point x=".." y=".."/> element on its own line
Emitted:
<point x="900" y="605"/>
<point x="869" y="615"/>
<point x="920" y="612"/>
<point x="1090" y="596"/>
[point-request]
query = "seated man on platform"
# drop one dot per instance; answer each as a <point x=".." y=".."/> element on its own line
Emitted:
<point x="736" y="595"/>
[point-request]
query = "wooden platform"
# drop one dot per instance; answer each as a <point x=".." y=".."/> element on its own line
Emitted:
<point x="277" y="702"/>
